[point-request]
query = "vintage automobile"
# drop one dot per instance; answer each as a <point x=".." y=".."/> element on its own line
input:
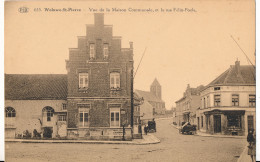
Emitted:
<point x="187" y="128"/>
<point x="151" y="126"/>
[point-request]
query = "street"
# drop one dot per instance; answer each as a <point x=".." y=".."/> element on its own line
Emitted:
<point x="173" y="147"/>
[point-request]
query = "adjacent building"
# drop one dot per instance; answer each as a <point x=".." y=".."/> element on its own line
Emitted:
<point x="153" y="97"/>
<point x="91" y="101"/>
<point x="228" y="102"/>
<point x="187" y="105"/>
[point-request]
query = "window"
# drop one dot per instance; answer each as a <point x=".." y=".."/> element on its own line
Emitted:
<point x="204" y="102"/>
<point x="201" y="121"/>
<point x="114" y="80"/>
<point x="92" y="51"/>
<point x="216" y="88"/>
<point x="115" y="117"/>
<point x="64" y="106"/>
<point x="105" y="50"/>
<point x="216" y="100"/>
<point x="234" y="120"/>
<point x="84" y="115"/>
<point x="235" y="100"/>
<point x="62" y="118"/>
<point x="48" y="112"/>
<point x="83" y="119"/>
<point x="251" y="100"/>
<point x="208" y="103"/>
<point x="10" y="112"/>
<point x="83" y="80"/>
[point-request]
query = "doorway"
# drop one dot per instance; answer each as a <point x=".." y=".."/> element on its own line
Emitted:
<point x="47" y="132"/>
<point x="250" y="122"/>
<point x="217" y="124"/>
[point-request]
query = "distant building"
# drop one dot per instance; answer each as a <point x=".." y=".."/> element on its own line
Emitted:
<point x="91" y="101"/>
<point x="228" y="102"/>
<point x="187" y="105"/>
<point x="154" y="97"/>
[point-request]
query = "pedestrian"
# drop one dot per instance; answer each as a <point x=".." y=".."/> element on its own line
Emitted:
<point x="145" y="129"/>
<point x="252" y="144"/>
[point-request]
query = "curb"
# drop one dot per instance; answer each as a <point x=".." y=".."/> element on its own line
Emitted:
<point x="154" y="140"/>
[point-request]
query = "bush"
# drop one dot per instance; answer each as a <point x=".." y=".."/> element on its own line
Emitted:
<point x="36" y="134"/>
<point x="27" y="134"/>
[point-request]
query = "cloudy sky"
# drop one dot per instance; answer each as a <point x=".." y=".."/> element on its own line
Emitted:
<point x="182" y="47"/>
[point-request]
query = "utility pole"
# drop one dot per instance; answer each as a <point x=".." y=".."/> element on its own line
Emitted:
<point x="132" y="97"/>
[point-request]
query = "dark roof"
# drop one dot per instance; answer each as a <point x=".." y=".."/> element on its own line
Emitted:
<point x="35" y="86"/>
<point x="148" y="96"/>
<point x="236" y="75"/>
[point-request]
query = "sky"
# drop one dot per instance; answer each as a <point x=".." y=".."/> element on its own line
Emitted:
<point x="182" y="47"/>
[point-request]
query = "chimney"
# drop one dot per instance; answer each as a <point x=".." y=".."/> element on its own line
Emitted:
<point x="237" y="67"/>
<point x="99" y="19"/>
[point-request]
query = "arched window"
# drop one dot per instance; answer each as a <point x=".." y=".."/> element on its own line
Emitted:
<point x="9" y="112"/>
<point x="48" y="111"/>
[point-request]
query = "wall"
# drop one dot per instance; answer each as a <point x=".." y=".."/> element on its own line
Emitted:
<point x="29" y="114"/>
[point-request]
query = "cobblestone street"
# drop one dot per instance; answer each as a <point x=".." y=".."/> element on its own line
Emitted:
<point x="173" y="147"/>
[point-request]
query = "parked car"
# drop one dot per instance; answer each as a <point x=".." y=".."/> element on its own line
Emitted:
<point x="187" y="128"/>
<point x="151" y="126"/>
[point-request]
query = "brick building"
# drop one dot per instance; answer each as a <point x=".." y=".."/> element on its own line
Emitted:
<point x="228" y="102"/>
<point x="96" y="90"/>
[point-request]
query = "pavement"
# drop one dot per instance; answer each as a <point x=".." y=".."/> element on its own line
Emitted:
<point x="147" y="139"/>
<point x="244" y="157"/>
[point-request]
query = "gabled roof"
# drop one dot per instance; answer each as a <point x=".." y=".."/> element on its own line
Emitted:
<point x="35" y="86"/>
<point x="148" y="96"/>
<point x="155" y="83"/>
<point x="236" y="75"/>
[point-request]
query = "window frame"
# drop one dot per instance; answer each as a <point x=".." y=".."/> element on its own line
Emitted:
<point x="49" y="111"/>
<point x="114" y="111"/>
<point x="83" y="109"/>
<point x="105" y="50"/>
<point x="84" y="84"/>
<point x="11" y="113"/>
<point x="252" y="100"/>
<point x="116" y="83"/>
<point x="233" y="101"/>
<point x="215" y="101"/>
<point x="92" y="53"/>
<point x="62" y="117"/>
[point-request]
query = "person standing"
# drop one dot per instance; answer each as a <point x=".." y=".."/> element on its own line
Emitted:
<point x="251" y="139"/>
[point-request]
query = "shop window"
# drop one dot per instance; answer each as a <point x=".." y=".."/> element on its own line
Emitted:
<point x="251" y="100"/>
<point x="10" y="112"/>
<point x="234" y="121"/>
<point x="235" y="100"/>
<point x="216" y="100"/>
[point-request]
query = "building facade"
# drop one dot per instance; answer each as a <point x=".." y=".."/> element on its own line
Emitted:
<point x="228" y="102"/>
<point x="186" y="106"/>
<point x="154" y="97"/>
<point x="97" y="90"/>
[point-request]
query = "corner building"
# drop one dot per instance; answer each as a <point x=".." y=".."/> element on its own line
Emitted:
<point x="99" y="74"/>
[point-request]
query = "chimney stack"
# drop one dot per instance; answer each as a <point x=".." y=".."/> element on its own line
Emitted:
<point x="99" y="19"/>
<point x="237" y="67"/>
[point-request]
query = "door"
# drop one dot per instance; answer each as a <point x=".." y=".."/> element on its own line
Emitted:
<point x="217" y="123"/>
<point x="250" y="122"/>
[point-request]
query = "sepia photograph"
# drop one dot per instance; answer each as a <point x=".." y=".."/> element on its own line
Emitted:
<point x="130" y="81"/>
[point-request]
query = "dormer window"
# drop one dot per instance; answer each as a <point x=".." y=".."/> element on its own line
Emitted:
<point x="83" y="80"/>
<point x="92" y="51"/>
<point x="105" y="51"/>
